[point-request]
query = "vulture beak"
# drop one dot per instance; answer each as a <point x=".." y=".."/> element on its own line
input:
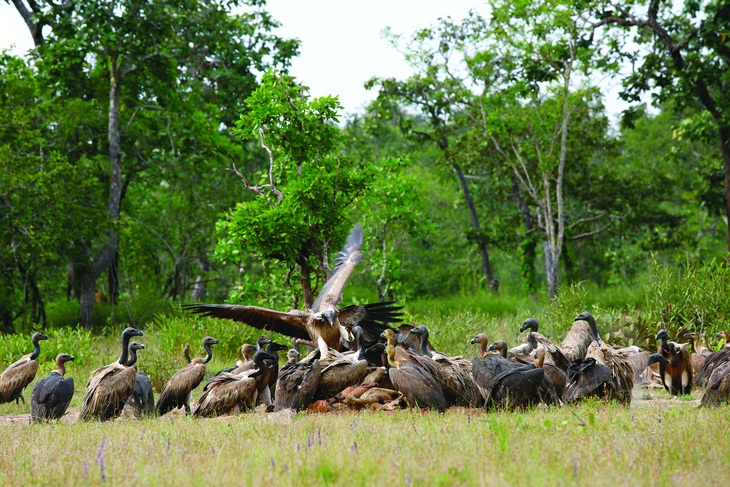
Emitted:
<point x="329" y="315"/>
<point x="473" y="340"/>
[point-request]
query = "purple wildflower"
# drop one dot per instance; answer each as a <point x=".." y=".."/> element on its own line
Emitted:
<point x="408" y="480"/>
<point x="354" y="446"/>
<point x="168" y="445"/>
<point x="86" y="468"/>
<point x="575" y="465"/>
<point x="319" y="437"/>
<point x="273" y="463"/>
<point x="299" y="446"/>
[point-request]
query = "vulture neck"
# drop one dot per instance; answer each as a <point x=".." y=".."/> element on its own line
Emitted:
<point x="390" y="350"/>
<point x="61" y="367"/>
<point x="592" y="323"/>
<point x="424" y="344"/>
<point x="132" y="358"/>
<point x="532" y="340"/>
<point x="125" y="349"/>
<point x="483" y="348"/>
<point x="209" y="352"/>
<point x="36" y="349"/>
<point x="360" y="346"/>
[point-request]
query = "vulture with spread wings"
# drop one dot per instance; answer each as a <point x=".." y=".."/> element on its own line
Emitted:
<point x="324" y="323"/>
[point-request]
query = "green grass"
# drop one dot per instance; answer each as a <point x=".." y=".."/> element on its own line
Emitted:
<point x="591" y="444"/>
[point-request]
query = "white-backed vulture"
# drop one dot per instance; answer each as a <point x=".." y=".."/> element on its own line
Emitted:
<point x="553" y="354"/>
<point x="297" y="382"/>
<point x="52" y="394"/>
<point x="341" y="370"/>
<point x="178" y="390"/>
<point x="109" y="387"/>
<point x="325" y="323"/>
<point x="485" y="368"/>
<point x="619" y="365"/>
<point x="230" y="393"/>
<point x="583" y="332"/>
<point x="20" y="373"/>
<point x="677" y="374"/>
<point x="701" y="351"/>
<point x="186" y="353"/>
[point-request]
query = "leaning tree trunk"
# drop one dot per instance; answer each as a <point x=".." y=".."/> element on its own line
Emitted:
<point x="107" y="254"/>
<point x="529" y="243"/>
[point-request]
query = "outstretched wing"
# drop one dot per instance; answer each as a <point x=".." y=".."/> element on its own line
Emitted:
<point x="373" y="318"/>
<point x="292" y="324"/>
<point x="347" y="258"/>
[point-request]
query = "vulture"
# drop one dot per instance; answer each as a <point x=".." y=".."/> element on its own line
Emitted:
<point x="230" y="392"/>
<point x="553" y="355"/>
<point x="553" y="383"/>
<point x="712" y="362"/>
<point x="109" y="387"/>
<point x="179" y="389"/>
<point x="297" y="382"/>
<point x="701" y="351"/>
<point x="418" y="386"/>
<point x="583" y="332"/>
<point x="485" y="368"/>
<point x="517" y="387"/>
<point x="677" y="374"/>
<point x="323" y="324"/>
<point x="341" y="370"/>
<point x="186" y="353"/>
<point x="639" y="363"/>
<point x="620" y="368"/>
<point x="52" y="394"/>
<point x="718" y="386"/>
<point x="142" y="400"/>
<point x="454" y="374"/>
<point x="20" y="373"/>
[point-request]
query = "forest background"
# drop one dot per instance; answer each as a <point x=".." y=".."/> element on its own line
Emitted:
<point x="158" y="152"/>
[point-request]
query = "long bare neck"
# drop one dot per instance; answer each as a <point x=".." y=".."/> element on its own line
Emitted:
<point x="209" y="352"/>
<point x="61" y="367"/>
<point x="483" y="348"/>
<point x="125" y="349"/>
<point x="36" y="349"/>
<point x="424" y="344"/>
<point x="390" y="350"/>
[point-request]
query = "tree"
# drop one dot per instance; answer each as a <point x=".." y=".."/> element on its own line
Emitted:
<point x="686" y="61"/>
<point x="146" y="53"/>
<point x="440" y="95"/>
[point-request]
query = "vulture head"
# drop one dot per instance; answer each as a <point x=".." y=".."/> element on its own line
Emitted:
<point x="38" y="337"/>
<point x="531" y="324"/>
<point x="293" y="355"/>
<point x="662" y="335"/>
<point x="499" y="346"/>
<point x="657" y="358"/>
<point x="479" y="338"/>
<point x="588" y="318"/>
<point x="259" y="359"/>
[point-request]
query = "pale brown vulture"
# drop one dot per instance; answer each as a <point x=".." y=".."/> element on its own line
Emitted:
<point x="20" y="373"/>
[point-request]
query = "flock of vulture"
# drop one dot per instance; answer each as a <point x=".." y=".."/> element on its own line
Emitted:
<point x="357" y="357"/>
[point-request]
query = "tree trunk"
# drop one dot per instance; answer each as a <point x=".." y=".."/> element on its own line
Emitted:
<point x="106" y="256"/>
<point x="725" y="147"/>
<point x="528" y="244"/>
<point x="35" y="28"/>
<point x="306" y="282"/>
<point x="486" y="265"/>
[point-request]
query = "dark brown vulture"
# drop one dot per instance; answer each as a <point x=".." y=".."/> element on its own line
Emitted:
<point x="454" y="374"/>
<point x="485" y="368"/>
<point x="677" y="374"/>
<point x="325" y="323"/>
<point x="20" y="373"/>
<point x="418" y="386"/>
<point x="713" y="361"/>
<point x="553" y="355"/>
<point x="109" y="387"/>
<point x="179" y="389"/>
<point x="52" y="394"/>
<point x="517" y="388"/>
<point x="142" y="401"/>
<point x="718" y="386"/>
<point x="297" y="382"/>
<point x="230" y="393"/>
<point x="186" y="353"/>
<point x="583" y="332"/>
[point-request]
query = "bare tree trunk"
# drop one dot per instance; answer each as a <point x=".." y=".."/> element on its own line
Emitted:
<point x="35" y="27"/>
<point x="528" y="245"/>
<point x="306" y="282"/>
<point x="105" y="257"/>
<point x="725" y="147"/>
<point x="486" y="265"/>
